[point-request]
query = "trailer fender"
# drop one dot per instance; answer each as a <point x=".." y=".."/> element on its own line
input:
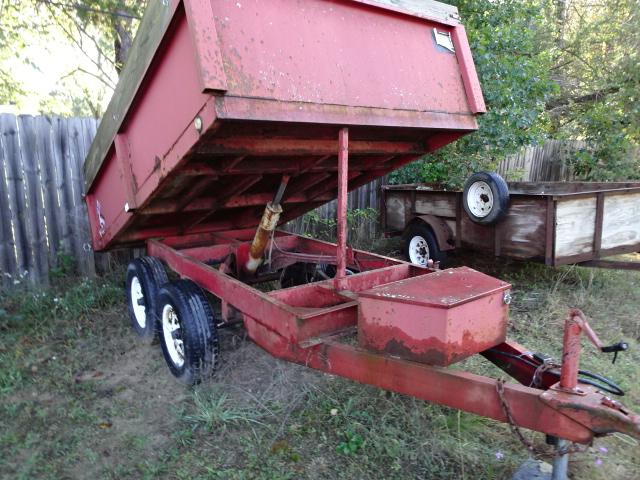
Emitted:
<point x="442" y="231"/>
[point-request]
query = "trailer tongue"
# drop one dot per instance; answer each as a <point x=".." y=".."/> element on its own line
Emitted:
<point x="233" y="117"/>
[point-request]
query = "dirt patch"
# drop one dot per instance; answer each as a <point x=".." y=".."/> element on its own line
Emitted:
<point x="136" y="399"/>
<point x="248" y="371"/>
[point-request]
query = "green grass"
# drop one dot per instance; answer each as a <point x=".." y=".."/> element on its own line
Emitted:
<point x="79" y="398"/>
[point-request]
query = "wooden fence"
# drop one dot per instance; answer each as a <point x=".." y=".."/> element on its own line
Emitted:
<point x="43" y="216"/>
<point x="320" y="222"/>
<point x="543" y="163"/>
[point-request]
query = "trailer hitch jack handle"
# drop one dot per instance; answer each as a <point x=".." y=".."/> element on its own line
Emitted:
<point x="575" y="323"/>
<point x="615" y="348"/>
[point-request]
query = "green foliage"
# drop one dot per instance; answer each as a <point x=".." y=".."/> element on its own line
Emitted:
<point x="12" y="21"/>
<point x="100" y="32"/>
<point x="351" y="444"/>
<point x="359" y="223"/>
<point x="598" y="59"/>
<point x="507" y="39"/>
<point x="29" y="314"/>
<point x="69" y="376"/>
<point x="565" y="70"/>
<point x="65" y="265"/>
<point x="214" y="411"/>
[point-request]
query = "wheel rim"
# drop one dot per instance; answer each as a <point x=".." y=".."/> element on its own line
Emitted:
<point x="418" y="250"/>
<point x="172" y="332"/>
<point x="137" y="302"/>
<point x="480" y="199"/>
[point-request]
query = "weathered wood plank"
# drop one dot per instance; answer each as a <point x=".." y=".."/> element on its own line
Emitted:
<point x="441" y="204"/>
<point x="81" y="232"/>
<point x="43" y="212"/>
<point x="60" y="155"/>
<point x="102" y="261"/>
<point x="539" y="163"/>
<point x="521" y="233"/>
<point x="395" y="211"/>
<point x="15" y="190"/>
<point x="46" y="166"/>
<point x="621" y="220"/>
<point x="7" y="253"/>
<point x="575" y="226"/>
<point x="428" y="9"/>
<point x="154" y="24"/>
<point x="34" y="210"/>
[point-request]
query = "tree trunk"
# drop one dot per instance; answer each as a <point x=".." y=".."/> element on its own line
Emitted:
<point x="123" y="39"/>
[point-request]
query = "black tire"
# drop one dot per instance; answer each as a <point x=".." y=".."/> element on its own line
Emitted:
<point x="195" y="341"/>
<point x="150" y="275"/>
<point x="420" y="245"/>
<point x="298" y="274"/>
<point x="303" y="273"/>
<point x="485" y="197"/>
<point x="330" y="270"/>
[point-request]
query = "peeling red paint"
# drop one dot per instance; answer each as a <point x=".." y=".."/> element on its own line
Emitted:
<point x="437" y="319"/>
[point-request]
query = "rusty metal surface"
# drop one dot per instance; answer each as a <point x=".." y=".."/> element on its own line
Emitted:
<point x="597" y="412"/>
<point x="328" y="52"/>
<point x="263" y="234"/>
<point x="443" y="289"/>
<point x="436" y="319"/>
<point x="461" y="390"/>
<point x="341" y="209"/>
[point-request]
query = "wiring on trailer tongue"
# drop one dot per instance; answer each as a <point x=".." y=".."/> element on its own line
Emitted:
<point x="551" y="367"/>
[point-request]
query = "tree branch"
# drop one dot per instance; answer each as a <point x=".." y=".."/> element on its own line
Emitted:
<point x="79" y="44"/>
<point x="77" y="6"/>
<point x="107" y="83"/>
<point x="589" y="97"/>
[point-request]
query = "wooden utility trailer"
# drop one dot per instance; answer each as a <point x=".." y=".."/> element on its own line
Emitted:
<point x="557" y="223"/>
<point x="231" y="118"/>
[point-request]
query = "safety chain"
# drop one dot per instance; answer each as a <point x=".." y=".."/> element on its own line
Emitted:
<point x="546" y="365"/>
<point x="571" y="448"/>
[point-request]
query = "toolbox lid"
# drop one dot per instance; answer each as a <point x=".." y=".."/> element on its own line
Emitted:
<point x="441" y="289"/>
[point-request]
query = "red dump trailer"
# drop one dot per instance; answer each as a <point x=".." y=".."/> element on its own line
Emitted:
<point x="232" y="117"/>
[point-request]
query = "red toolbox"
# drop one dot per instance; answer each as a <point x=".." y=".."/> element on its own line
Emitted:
<point x="436" y="319"/>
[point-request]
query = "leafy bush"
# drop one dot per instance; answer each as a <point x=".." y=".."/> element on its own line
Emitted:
<point x="360" y="223"/>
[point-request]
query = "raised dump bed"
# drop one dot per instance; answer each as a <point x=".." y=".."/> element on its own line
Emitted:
<point x="220" y="99"/>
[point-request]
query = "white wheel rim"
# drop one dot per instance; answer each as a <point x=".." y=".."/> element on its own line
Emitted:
<point x="418" y="250"/>
<point x="172" y="333"/>
<point x="480" y="199"/>
<point x="137" y="302"/>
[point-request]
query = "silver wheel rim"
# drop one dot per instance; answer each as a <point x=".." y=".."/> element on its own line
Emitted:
<point x="137" y="303"/>
<point x="480" y="199"/>
<point x="418" y="250"/>
<point x="172" y="333"/>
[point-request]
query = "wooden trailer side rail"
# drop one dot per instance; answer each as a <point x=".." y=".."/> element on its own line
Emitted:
<point x="582" y="225"/>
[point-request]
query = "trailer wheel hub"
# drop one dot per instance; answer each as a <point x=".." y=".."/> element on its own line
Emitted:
<point x="418" y="250"/>
<point x="137" y="302"/>
<point x="172" y="332"/>
<point x="480" y="199"/>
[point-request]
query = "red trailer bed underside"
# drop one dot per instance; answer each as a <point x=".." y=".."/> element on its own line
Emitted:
<point x="221" y="99"/>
